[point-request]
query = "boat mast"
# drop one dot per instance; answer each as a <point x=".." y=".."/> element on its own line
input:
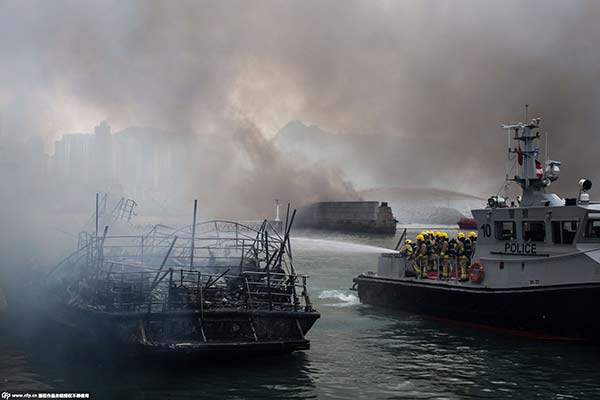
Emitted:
<point x="525" y="134"/>
<point x="533" y="179"/>
<point x="530" y="179"/>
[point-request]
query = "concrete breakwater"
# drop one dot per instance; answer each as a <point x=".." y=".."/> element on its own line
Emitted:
<point x="356" y="216"/>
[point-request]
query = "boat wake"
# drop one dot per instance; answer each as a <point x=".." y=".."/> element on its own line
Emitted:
<point x="345" y="299"/>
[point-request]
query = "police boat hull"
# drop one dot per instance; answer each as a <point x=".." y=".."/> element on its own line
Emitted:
<point x="562" y="312"/>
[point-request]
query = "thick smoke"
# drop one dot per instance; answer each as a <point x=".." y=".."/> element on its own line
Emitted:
<point x="437" y="72"/>
<point x="242" y="173"/>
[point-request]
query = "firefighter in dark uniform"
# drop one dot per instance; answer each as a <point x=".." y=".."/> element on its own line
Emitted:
<point x="472" y="236"/>
<point x="463" y="258"/>
<point x="421" y="259"/>
<point x="444" y="256"/>
<point x="429" y="243"/>
<point x="452" y="255"/>
<point x="406" y="251"/>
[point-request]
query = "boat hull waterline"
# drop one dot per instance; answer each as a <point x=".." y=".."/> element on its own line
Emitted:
<point x="562" y="312"/>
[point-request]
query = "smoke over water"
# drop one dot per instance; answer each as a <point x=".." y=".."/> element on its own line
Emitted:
<point x="223" y="77"/>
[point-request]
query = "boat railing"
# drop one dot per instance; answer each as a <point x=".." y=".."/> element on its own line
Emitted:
<point x="218" y="265"/>
<point x="123" y="252"/>
<point x="435" y="266"/>
<point x="150" y="250"/>
<point x="192" y="289"/>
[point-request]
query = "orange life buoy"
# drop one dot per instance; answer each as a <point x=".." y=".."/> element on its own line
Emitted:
<point x="476" y="272"/>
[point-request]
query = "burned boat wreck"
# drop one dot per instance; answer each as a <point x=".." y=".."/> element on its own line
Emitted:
<point x="212" y="287"/>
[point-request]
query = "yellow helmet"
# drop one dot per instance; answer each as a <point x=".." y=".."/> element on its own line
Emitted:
<point x="445" y="235"/>
<point x="408" y="241"/>
<point x="460" y="235"/>
<point x="420" y="237"/>
<point x="430" y="233"/>
<point x="423" y="233"/>
<point x="472" y="235"/>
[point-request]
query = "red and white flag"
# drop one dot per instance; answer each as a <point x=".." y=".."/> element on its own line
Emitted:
<point x="539" y="169"/>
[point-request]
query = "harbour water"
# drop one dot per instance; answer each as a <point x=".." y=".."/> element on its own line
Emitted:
<point x="357" y="352"/>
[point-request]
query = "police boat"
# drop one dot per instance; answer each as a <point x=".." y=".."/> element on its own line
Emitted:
<point x="535" y="269"/>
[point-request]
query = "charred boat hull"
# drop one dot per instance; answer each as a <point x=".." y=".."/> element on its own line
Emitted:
<point x="189" y="333"/>
<point x="555" y="312"/>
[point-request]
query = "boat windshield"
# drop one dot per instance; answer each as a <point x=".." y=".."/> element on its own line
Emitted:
<point x="563" y="232"/>
<point x="534" y="231"/>
<point x="592" y="227"/>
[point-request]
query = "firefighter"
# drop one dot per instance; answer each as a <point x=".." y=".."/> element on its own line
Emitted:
<point x="426" y="237"/>
<point x="421" y="258"/>
<point x="434" y="248"/>
<point x="468" y="249"/>
<point x="452" y="255"/>
<point x="463" y="259"/>
<point x="406" y="251"/>
<point x="473" y="237"/>
<point x="430" y="245"/>
<point x="431" y="237"/>
<point x="444" y="256"/>
<point x="407" y="248"/>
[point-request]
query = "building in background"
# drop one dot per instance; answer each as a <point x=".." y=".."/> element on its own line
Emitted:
<point x="138" y="162"/>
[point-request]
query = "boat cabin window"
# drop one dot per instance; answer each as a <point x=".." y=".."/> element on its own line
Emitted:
<point x="563" y="232"/>
<point x="506" y="230"/>
<point x="592" y="228"/>
<point x="534" y="231"/>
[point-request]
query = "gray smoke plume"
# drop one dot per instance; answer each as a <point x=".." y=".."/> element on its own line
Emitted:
<point x="441" y="74"/>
